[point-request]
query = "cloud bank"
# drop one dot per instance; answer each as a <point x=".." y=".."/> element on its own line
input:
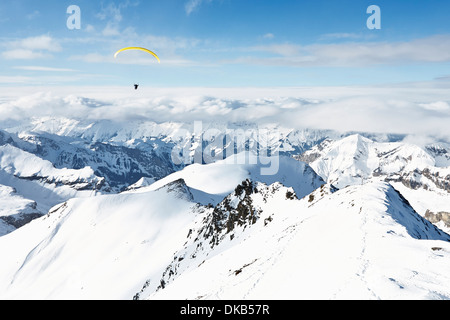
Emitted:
<point x="31" y="48"/>
<point x="413" y="111"/>
<point x="351" y="54"/>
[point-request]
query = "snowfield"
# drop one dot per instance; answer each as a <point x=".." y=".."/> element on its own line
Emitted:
<point x="98" y="248"/>
<point x="211" y="183"/>
<point x="97" y="207"/>
<point x="422" y="175"/>
<point x="359" y="242"/>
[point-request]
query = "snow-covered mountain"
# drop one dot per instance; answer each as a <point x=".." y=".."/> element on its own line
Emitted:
<point x="356" y="243"/>
<point x="103" y="210"/>
<point x="119" y="164"/>
<point x="31" y="185"/>
<point x="123" y="153"/>
<point x="74" y="232"/>
<point x="94" y="248"/>
<point x="355" y="158"/>
<point x="67" y="158"/>
<point x="210" y="183"/>
<point x="421" y="174"/>
<point x="260" y="242"/>
<point x="15" y="211"/>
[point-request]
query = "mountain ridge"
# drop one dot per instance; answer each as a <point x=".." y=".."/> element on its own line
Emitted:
<point x="346" y="221"/>
<point x="249" y="270"/>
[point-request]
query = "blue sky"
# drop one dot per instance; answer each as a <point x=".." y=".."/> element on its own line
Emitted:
<point x="224" y="43"/>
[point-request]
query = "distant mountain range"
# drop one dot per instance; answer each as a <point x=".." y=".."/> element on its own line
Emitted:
<point x="104" y="210"/>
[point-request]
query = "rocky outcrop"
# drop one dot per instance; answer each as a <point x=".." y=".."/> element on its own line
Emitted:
<point x="179" y="189"/>
<point x="19" y="220"/>
<point x="235" y="210"/>
<point x="424" y="179"/>
<point x="356" y="159"/>
<point x="226" y="221"/>
<point x="315" y="153"/>
<point x="438" y="217"/>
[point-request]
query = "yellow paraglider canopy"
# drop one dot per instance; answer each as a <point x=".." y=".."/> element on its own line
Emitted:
<point x="137" y="48"/>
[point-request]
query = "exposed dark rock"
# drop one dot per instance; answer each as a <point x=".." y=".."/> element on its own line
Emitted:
<point x="179" y="188"/>
<point x="438" y="217"/>
<point x="232" y="212"/>
<point x="21" y="219"/>
<point x="412" y="179"/>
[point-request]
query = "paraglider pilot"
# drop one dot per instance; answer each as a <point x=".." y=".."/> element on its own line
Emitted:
<point x="136" y="86"/>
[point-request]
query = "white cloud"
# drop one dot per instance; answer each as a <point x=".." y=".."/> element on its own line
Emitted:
<point x="111" y="30"/>
<point x="350" y="54"/>
<point x="342" y="35"/>
<point x="33" y="15"/>
<point x="112" y="13"/>
<point x="436" y="106"/>
<point x="407" y="110"/>
<point x="133" y="58"/>
<point x="286" y="49"/>
<point x="371" y="114"/>
<point x="43" y="42"/>
<point x="93" y="58"/>
<point x="193" y="5"/>
<point x="23" y="54"/>
<point x="89" y="28"/>
<point x="171" y="50"/>
<point x="269" y="36"/>
<point x="31" y="48"/>
<point x="39" y="68"/>
<point x="14" y="79"/>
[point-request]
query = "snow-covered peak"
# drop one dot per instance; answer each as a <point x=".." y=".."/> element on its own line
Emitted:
<point x="355" y="159"/>
<point x="260" y="242"/>
<point x="15" y="210"/>
<point x="210" y="183"/>
<point x="361" y="242"/>
<point x="27" y="166"/>
<point x="39" y="181"/>
<point x="143" y="182"/>
<point x="179" y="189"/>
<point x="94" y="248"/>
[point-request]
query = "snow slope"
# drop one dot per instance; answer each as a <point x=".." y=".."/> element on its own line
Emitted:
<point x="38" y="180"/>
<point x="422" y="175"/>
<point x="94" y="248"/>
<point x="15" y="211"/>
<point x="119" y="164"/>
<point x="362" y="242"/>
<point x="353" y="159"/>
<point x="30" y="186"/>
<point x="211" y="183"/>
<point x="259" y="242"/>
<point x="222" y="230"/>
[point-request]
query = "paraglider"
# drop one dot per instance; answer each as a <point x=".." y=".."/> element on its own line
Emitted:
<point x="136" y="86"/>
<point x="137" y="48"/>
